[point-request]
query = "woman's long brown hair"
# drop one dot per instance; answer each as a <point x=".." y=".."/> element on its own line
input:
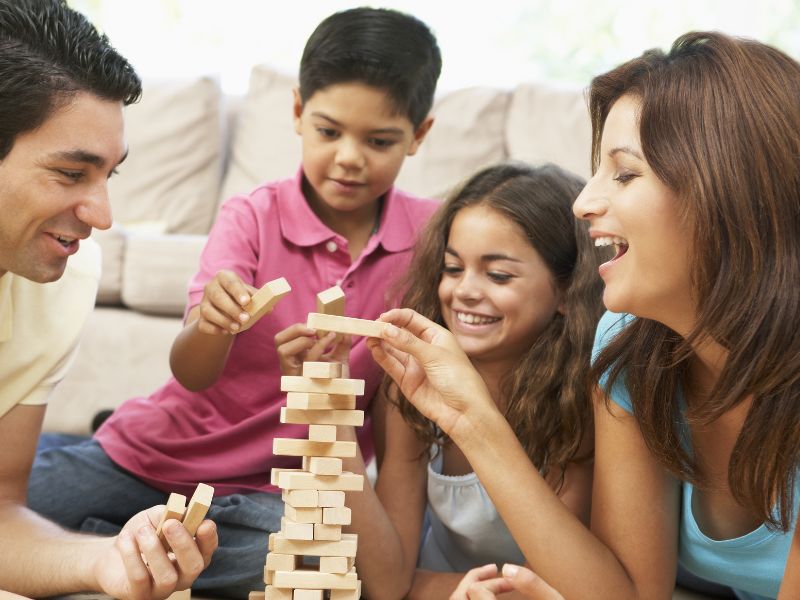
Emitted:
<point x="546" y="396"/>
<point x="720" y="126"/>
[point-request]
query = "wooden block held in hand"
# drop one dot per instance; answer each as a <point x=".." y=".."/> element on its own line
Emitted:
<point x="264" y="300"/>
<point x="322" y="433"/>
<point x="346" y="325"/>
<point x="198" y="507"/>
<point x="294" y="383"/>
<point x="176" y="508"/>
<point x="322" y="370"/>
<point x="331" y="301"/>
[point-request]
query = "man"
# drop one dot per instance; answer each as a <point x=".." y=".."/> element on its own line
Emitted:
<point x="62" y="90"/>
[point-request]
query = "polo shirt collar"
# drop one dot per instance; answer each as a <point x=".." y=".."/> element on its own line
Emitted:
<point x="6" y="307"/>
<point x="301" y="226"/>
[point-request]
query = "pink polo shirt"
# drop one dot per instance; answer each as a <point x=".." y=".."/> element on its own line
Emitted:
<point x="223" y="435"/>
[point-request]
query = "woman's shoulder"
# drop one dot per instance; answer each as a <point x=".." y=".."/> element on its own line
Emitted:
<point x="609" y="326"/>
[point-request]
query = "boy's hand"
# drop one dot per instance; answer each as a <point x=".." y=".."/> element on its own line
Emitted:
<point x="222" y="307"/>
<point x="298" y="344"/>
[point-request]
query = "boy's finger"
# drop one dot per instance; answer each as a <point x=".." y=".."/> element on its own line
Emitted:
<point x="293" y="331"/>
<point x="214" y="316"/>
<point x="236" y="288"/>
<point x="316" y="351"/>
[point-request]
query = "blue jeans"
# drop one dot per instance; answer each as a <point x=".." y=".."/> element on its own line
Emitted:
<point x="80" y="488"/>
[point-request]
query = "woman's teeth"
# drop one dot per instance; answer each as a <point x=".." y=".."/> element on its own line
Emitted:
<point x="475" y="319"/>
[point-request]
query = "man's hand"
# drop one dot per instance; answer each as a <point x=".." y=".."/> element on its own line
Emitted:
<point x="136" y="566"/>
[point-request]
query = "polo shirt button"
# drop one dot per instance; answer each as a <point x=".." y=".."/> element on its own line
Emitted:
<point x="331" y="246"/>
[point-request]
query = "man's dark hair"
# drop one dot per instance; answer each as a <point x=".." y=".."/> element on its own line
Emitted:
<point x="382" y="48"/>
<point x="49" y="53"/>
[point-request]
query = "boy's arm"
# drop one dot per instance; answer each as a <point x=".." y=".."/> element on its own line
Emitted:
<point x="200" y="351"/>
<point x="38" y="558"/>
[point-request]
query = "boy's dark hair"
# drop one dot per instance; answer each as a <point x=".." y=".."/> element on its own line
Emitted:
<point x="382" y="48"/>
<point x="48" y="53"/>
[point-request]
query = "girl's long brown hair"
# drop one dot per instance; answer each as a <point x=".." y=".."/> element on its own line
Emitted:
<point x="720" y="126"/>
<point x="546" y="396"/>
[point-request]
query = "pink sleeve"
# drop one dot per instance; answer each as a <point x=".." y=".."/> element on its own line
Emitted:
<point x="232" y="244"/>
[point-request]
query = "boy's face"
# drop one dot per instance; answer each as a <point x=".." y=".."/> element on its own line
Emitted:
<point x="354" y="144"/>
<point x="54" y="186"/>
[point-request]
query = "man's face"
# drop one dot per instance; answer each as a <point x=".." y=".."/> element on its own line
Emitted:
<point x="54" y="186"/>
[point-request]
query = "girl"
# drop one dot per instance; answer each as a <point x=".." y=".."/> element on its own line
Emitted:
<point x="697" y="427"/>
<point x="506" y="268"/>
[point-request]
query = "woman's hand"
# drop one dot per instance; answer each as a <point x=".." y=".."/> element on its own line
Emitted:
<point x="430" y="368"/>
<point x="483" y="583"/>
<point x="298" y="344"/>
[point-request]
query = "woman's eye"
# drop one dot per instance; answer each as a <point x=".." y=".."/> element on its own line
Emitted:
<point x="499" y="277"/>
<point x="451" y="269"/>
<point x="624" y="178"/>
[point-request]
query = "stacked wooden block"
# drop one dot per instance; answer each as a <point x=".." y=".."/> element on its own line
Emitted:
<point x="314" y="496"/>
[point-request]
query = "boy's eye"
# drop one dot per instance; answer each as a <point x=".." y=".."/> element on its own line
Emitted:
<point x="327" y="132"/>
<point x="382" y="143"/>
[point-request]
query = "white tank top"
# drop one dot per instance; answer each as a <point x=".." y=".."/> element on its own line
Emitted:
<point x="465" y="529"/>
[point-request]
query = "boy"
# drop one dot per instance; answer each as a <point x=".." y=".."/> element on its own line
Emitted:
<point x="367" y="79"/>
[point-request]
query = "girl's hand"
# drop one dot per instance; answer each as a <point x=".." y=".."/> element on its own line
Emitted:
<point x="221" y="311"/>
<point x="483" y="583"/>
<point x="431" y="370"/>
<point x="298" y="344"/>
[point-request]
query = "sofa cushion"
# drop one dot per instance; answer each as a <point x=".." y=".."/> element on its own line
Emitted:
<point x="112" y="246"/>
<point x="467" y="134"/>
<point x="157" y="270"/>
<point x="550" y="124"/>
<point x="264" y="145"/>
<point x="172" y="173"/>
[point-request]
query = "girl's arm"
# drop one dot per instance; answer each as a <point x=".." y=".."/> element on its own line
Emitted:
<point x="200" y="350"/>
<point x="388" y="519"/>
<point x="790" y="587"/>
<point x="632" y="553"/>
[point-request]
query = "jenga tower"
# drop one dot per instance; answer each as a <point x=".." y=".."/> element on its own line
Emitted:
<point x="314" y="495"/>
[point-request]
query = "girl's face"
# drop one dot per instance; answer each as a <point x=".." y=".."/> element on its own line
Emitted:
<point x="496" y="292"/>
<point x="629" y="207"/>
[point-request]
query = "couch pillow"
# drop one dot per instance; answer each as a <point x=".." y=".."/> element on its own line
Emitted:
<point x="172" y="173"/>
<point x="157" y="270"/>
<point x="112" y="247"/>
<point x="467" y="134"/>
<point x="264" y="146"/>
<point x="550" y="124"/>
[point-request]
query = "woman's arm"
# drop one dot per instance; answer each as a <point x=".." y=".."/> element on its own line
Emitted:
<point x="634" y="506"/>
<point x="790" y="587"/>
<point x="388" y="519"/>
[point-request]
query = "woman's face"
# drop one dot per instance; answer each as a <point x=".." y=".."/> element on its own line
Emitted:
<point x="496" y="292"/>
<point x="628" y="206"/>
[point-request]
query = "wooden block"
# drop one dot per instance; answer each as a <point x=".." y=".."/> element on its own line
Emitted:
<point x="330" y="498"/>
<point x="300" y="498"/>
<point x="307" y="595"/>
<point x="320" y="465"/>
<point x="303" y="515"/>
<point x="347" y="325"/>
<point x="294" y="383"/>
<point x="276" y="593"/>
<point x="301" y="480"/>
<point x="340" y="515"/>
<point x="327" y="532"/>
<point x="269" y="575"/>
<point x="198" y="507"/>
<point x="281" y="562"/>
<point x="181" y="594"/>
<point x="322" y="433"/>
<point x="292" y="447"/>
<point x="347" y="546"/>
<point x="271" y="544"/>
<point x="264" y="300"/>
<point x="346" y="594"/>
<point x="335" y="564"/>
<point x="293" y="530"/>
<point x="176" y="508"/>
<point x="322" y="370"/>
<point x="331" y="301"/>
<point x="316" y="580"/>
<point x="256" y="596"/>
<point x="354" y="418"/>
<point x="306" y="401"/>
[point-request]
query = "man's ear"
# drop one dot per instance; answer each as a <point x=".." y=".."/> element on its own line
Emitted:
<point x="419" y="135"/>
<point x="297" y="109"/>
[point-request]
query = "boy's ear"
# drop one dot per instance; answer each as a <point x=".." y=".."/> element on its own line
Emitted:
<point x="419" y="135"/>
<point x="297" y="109"/>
